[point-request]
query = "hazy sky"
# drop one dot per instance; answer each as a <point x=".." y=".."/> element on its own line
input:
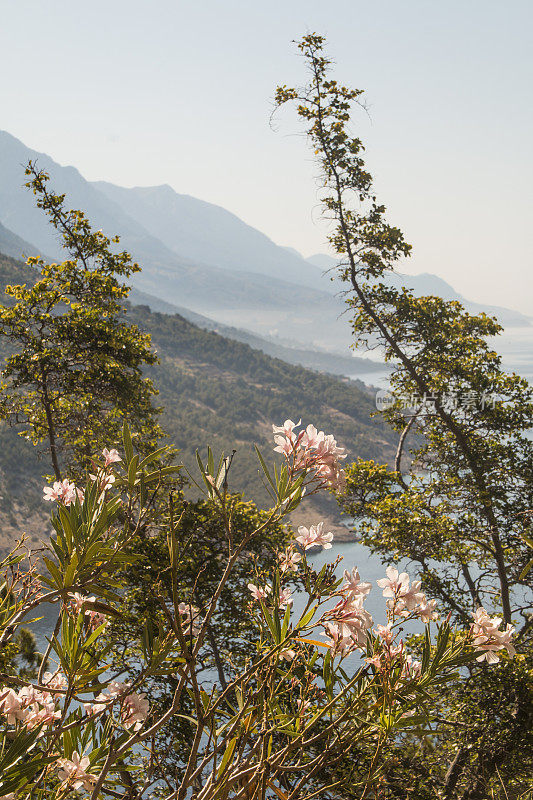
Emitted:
<point x="166" y="91"/>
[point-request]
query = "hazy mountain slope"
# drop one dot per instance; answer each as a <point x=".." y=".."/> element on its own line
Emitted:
<point x="210" y="234"/>
<point x="233" y="297"/>
<point x="240" y="297"/>
<point x="15" y="246"/>
<point x="214" y="391"/>
<point x="428" y="284"/>
<point x="332" y="363"/>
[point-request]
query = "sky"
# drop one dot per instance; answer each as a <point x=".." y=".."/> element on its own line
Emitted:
<point x="167" y="91"/>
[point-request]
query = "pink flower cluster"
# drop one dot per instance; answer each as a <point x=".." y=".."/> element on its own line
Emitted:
<point x="31" y="706"/>
<point x="73" y="772"/>
<point x="63" y="492"/>
<point x="103" y="476"/>
<point x="488" y="637"/>
<point x="288" y="560"/>
<point x="389" y="654"/>
<point x="262" y="592"/>
<point x="406" y="598"/>
<point x="78" y="605"/>
<point x="190" y="618"/>
<point x="134" y="706"/>
<point x="314" y="536"/>
<point x="66" y="492"/>
<point x="347" y="624"/>
<point x="310" y="451"/>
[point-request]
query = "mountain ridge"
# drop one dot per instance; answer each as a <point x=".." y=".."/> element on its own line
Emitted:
<point x="252" y="299"/>
<point x="427" y="283"/>
<point x="180" y="221"/>
<point x="233" y="292"/>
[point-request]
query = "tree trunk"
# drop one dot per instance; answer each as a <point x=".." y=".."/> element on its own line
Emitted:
<point x="218" y="659"/>
<point x="51" y="428"/>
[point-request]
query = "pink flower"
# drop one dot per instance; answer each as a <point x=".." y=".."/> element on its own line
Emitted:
<point x="411" y="596"/>
<point x="62" y="491"/>
<point x="288" y="560"/>
<point x="404" y="597"/>
<point x="303" y="705"/>
<point x="110" y="456"/>
<point x="105" y="481"/>
<point x="115" y="689"/>
<point x="309" y="537"/>
<point x="259" y="592"/>
<point x="55" y="684"/>
<point x="488" y="637"/>
<point x="375" y="661"/>
<point x="54" y="680"/>
<point x="134" y="710"/>
<point x="339" y="643"/>
<point x="11" y="706"/>
<point x="397" y="650"/>
<point x="287" y="428"/>
<point x="74" y="772"/>
<point x="29" y="695"/>
<point x="385" y="633"/>
<point x="393" y="584"/>
<point x="52" y="493"/>
<point x="41" y="716"/>
<point x="78" y="602"/>
<point x="310" y="451"/>
<point x="95" y="708"/>
<point x="351" y="619"/>
<point x="287" y="654"/>
<point x="284" y="446"/>
<point x="30" y="706"/>
<point x="311" y="437"/>
<point x="285" y="597"/>
<point x="354" y="585"/>
<point x="77" y="605"/>
<point x="426" y="610"/>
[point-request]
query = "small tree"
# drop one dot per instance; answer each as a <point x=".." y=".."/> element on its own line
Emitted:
<point x="74" y="368"/>
<point x="459" y="505"/>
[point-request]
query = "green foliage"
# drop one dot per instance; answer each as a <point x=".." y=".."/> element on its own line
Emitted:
<point x="457" y="502"/>
<point x="221" y="391"/>
<point x="74" y="364"/>
<point x="201" y="551"/>
<point x="282" y="713"/>
<point x="203" y="546"/>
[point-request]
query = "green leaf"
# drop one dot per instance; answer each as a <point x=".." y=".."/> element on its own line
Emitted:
<point x="126" y="438"/>
<point x="227" y="756"/>
<point x="265" y="469"/>
<point x="54" y="572"/>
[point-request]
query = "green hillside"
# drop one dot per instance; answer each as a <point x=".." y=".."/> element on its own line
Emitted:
<point x="221" y="392"/>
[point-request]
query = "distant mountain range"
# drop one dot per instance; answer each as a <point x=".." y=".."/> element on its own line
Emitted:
<point x="428" y="284"/>
<point x="196" y="255"/>
<point x="14" y="246"/>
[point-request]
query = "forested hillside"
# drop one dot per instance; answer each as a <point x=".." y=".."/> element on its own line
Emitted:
<point x="213" y="391"/>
